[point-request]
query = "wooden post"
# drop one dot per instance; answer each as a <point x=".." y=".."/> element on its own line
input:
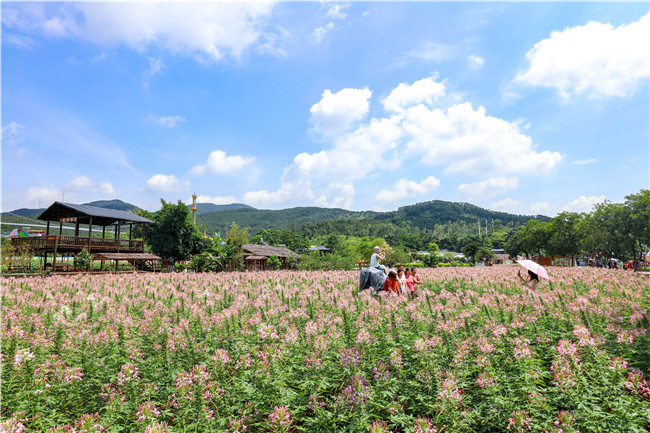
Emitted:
<point x="56" y="248"/>
<point x="76" y="228"/>
<point x="47" y="231"/>
<point x="90" y="231"/>
<point x="117" y="236"/>
<point x="103" y="232"/>
<point x="61" y="228"/>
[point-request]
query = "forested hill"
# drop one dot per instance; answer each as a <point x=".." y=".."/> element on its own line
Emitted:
<point x="107" y="204"/>
<point x="422" y="215"/>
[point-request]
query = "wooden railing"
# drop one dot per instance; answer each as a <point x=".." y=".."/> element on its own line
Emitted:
<point x="77" y="242"/>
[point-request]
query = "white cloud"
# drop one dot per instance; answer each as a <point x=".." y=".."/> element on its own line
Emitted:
<point x="287" y="192"/>
<point x="583" y="204"/>
<point x="596" y="60"/>
<point x="155" y="67"/>
<point x="337" y="195"/>
<point x="541" y="208"/>
<point x="426" y="90"/>
<point x="320" y="32"/>
<point x="507" y="205"/>
<point x="489" y="187"/>
<point x="475" y="61"/>
<point x="431" y="51"/>
<point x="165" y="183"/>
<point x="88" y="186"/>
<point x="105" y="189"/>
<point x="80" y="183"/>
<point x="215" y="200"/>
<point x="43" y="194"/>
<point x="80" y="188"/>
<point x="210" y="30"/>
<point x="335" y="10"/>
<point x="336" y="112"/>
<point x="169" y="121"/>
<point x="220" y="163"/>
<point x="11" y="130"/>
<point x="585" y="161"/>
<point x="405" y="188"/>
<point x="470" y="142"/>
<point x="353" y="156"/>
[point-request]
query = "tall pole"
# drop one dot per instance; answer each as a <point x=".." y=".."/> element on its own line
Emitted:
<point x="194" y="208"/>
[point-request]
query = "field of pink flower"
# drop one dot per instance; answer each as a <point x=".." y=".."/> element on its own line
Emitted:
<point x="304" y="351"/>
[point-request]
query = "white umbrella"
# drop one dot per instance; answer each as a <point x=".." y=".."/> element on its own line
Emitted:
<point x="534" y="267"/>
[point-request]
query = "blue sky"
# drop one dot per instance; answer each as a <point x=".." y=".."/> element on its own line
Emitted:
<point x="522" y="107"/>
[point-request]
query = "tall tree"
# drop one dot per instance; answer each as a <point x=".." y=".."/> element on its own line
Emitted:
<point x="639" y="206"/>
<point x="564" y="238"/>
<point x="173" y="236"/>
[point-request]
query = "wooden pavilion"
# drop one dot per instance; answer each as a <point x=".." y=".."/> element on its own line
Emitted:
<point x="103" y="248"/>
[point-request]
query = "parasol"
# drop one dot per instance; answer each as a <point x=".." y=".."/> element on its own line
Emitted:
<point x="534" y="267"/>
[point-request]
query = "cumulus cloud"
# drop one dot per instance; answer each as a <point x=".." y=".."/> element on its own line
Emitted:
<point x="585" y="161"/>
<point x="353" y="156"/>
<point x="583" y="204"/>
<point x="596" y="60"/>
<point x="78" y="189"/>
<point x="405" y="188"/>
<point x="489" y="187"/>
<point x="507" y="205"/>
<point x="336" y="112"/>
<point x="422" y="122"/>
<point x="165" y="183"/>
<point x="169" y="121"/>
<point x="215" y="200"/>
<point x="84" y="183"/>
<point x="43" y="194"/>
<point x="337" y="195"/>
<point x="470" y="142"/>
<point x="220" y="163"/>
<point x="209" y="30"/>
<point x="287" y="192"/>
<point x="426" y="90"/>
<point x="320" y="32"/>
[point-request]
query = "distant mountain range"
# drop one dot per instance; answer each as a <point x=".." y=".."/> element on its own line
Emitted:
<point x="219" y="217"/>
<point x="422" y="215"/>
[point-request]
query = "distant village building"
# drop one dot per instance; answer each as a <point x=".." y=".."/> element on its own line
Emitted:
<point x="256" y="256"/>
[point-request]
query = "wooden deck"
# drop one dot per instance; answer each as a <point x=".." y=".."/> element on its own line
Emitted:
<point x="72" y="244"/>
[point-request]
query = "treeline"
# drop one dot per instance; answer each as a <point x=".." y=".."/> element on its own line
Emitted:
<point x="611" y="230"/>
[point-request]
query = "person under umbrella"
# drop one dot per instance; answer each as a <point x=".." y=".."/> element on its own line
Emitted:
<point x="534" y="272"/>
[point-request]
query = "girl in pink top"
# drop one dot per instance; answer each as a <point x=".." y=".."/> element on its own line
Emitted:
<point x="410" y="283"/>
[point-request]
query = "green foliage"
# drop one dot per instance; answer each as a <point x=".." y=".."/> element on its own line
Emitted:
<point x="292" y="240"/>
<point x="274" y="262"/>
<point x="471" y="250"/>
<point x="173" y="236"/>
<point x="316" y="261"/>
<point x="82" y="260"/>
<point x="396" y="256"/>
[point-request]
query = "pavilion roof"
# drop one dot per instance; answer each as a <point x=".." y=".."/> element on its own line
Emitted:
<point x="100" y="216"/>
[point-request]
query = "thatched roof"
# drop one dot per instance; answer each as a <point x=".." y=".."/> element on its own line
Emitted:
<point x="265" y="251"/>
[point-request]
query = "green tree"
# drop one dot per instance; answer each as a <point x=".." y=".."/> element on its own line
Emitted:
<point x="639" y="215"/>
<point x="173" y="236"/>
<point x="564" y="235"/>
<point x="274" y="262"/>
<point x="471" y="250"/>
